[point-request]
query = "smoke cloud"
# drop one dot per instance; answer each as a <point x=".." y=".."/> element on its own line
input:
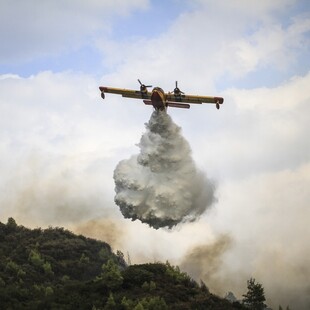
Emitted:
<point x="204" y="262"/>
<point x="106" y="229"/>
<point x="161" y="186"/>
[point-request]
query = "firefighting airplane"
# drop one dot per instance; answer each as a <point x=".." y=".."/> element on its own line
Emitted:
<point x="161" y="100"/>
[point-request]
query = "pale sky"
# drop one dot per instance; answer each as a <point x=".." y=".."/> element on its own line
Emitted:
<point x="60" y="142"/>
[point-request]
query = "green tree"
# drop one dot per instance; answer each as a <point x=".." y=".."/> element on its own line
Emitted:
<point x="204" y="287"/>
<point x="49" y="291"/>
<point x="255" y="296"/>
<point x="110" y="303"/>
<point x="12" y="267"/>
<point x="11" y="224"/>
<point x="149" y="286"/>
<point x="35" y="258"/>
<point x="104" y="254"/>
<point x="152" y="286"/>
<point x="48" y="269"/>
<point x="111" y="275"/>
<point x="139" y="306"/>
<point x="175" y="273"/>
<point x="38" y="288"/>
<point x="120" y="257"/>
<point x="127" y="303"/>
<point x="145" y="286"/>
<point x="65" y="278"/>
<point x="21" y="273"/>
<point x="154" y="303"/>
<point x="84" y="259"/>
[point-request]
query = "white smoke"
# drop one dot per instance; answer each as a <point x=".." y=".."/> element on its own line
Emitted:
<point x="161" y="186"/>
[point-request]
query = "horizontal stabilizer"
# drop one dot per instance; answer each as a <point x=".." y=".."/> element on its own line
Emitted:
<point x="178" y="105"/>
<point x="148" y="102"/>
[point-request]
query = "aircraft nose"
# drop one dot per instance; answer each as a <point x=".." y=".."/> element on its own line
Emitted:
<point x="155" y="95"/>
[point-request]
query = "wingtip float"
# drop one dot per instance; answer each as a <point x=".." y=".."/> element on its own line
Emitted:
<point x="161" y="100"/>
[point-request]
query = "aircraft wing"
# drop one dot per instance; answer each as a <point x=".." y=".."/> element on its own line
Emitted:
<point x="194" y="99"/>
<point x="128" y="93"/>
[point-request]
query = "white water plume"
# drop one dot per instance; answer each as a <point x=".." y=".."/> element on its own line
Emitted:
<point x="161" y="186"/>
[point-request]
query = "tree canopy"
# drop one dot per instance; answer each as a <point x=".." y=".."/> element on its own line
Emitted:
<point x="55" y="269"/>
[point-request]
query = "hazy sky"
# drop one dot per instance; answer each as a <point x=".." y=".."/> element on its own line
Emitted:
<point x="59" y="142"/>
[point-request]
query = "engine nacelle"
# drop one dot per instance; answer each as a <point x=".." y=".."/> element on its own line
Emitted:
<point x="102" y="95"/>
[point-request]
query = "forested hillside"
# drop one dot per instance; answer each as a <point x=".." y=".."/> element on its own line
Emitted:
<point x="56" y="269"/>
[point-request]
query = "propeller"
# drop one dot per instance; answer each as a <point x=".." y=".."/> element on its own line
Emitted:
<point x="177" y="91"/>
<point x="143" y="88"/>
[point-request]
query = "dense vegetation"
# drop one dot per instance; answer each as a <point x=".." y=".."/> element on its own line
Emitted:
<point x="56" y="269"/>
